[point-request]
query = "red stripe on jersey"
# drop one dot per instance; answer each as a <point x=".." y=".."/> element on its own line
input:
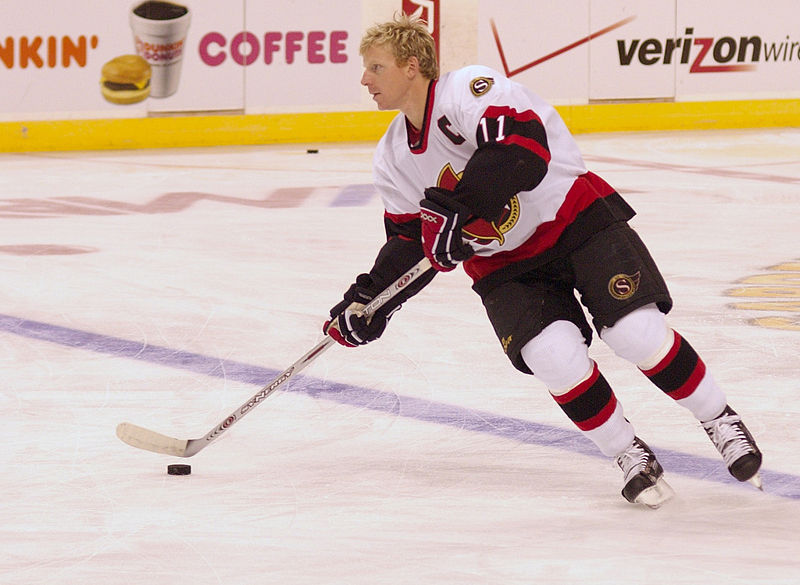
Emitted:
<point x="586" y="189"/>
<point x="525" y="116"/>
<point x="529" y="144"/>
<point x="420" y="144"/>
<point x="401" y="218"/>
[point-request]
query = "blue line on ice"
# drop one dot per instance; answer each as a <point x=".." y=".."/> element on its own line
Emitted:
<point x="529" y="432"/>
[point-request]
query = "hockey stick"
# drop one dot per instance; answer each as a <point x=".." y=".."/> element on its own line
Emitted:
<point x="148" y="440"/>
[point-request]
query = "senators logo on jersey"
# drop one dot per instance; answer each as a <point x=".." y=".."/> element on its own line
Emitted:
<point x="481" y="85"/>
<point x="481" y="231"/>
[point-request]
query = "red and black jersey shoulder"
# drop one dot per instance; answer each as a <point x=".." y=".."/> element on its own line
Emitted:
<point x="512" y="156"/>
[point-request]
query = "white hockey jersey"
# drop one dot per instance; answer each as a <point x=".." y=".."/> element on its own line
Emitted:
<point x="477" y="105"/>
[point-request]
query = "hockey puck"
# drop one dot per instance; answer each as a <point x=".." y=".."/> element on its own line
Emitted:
<point x="179" y="469"/>
<point x="312" y="151"/>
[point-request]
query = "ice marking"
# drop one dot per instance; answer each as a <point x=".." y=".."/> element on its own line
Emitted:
<point x="525" y="431"/>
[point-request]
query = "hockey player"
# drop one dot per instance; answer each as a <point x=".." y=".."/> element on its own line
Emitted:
<point x="479" y="171"/>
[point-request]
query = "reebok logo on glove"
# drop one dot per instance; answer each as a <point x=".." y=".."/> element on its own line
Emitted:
<point x="429" y="217"/>
<point x="443" y="218"/>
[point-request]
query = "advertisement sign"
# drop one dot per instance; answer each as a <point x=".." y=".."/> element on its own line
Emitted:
<point x="629" y="41"/>
<point x="540" y="43"/>
<point x="752" y="51"/>
<point x="168" y="36"/>
<point x="300" y="54"/>
<point x="109" y="58"/>
<point x="644" y="49"/>
<point x="133" y="58"/>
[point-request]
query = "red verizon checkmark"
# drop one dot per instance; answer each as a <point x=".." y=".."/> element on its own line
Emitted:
<point x="511" y="73"/>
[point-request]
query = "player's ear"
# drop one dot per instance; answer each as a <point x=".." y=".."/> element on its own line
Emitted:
<point x="412" y="67"/>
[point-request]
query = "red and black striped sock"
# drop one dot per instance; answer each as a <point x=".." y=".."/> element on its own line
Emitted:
<point x="680" y="372"/>
<point x="589" y="404"/>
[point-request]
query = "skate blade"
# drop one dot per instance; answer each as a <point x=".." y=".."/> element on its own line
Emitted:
<point x="756" y="481"/>
<point x="654" y="496"/>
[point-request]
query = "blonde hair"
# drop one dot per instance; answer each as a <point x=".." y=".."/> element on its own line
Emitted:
<point x="404" y="37"/>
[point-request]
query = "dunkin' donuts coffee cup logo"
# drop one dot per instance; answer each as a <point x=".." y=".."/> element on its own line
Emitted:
<point x="159" y="36"/>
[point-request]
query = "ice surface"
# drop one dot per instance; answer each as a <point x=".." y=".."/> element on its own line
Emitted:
<point x="164" y="287"/>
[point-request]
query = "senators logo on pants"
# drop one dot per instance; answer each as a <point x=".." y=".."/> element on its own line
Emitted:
<point x="624" y="286"/>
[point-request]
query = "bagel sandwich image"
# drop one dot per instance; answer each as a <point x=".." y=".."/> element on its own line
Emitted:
<point x="125" y="79"/>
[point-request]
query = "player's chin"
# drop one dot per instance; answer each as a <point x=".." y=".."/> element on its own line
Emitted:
<point x="379" y="102"/>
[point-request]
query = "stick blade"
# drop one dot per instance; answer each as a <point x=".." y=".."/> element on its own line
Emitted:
<point x="143" y="438"/>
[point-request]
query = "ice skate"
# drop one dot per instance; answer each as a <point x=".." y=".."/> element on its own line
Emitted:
<point x="644" y="481"/>
<point x="736" y="445"/>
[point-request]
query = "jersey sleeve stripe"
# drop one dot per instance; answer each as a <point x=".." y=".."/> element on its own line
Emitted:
<point x="509" y="112"/>
<point x="400" y="218"/>
<point x="529" y="144"/>
<point x="523" y="128"/>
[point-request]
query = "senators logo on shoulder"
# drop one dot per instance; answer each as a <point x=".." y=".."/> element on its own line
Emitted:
<point x="481" y="85"/>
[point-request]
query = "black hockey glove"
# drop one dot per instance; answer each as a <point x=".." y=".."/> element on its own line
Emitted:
<point x="348" y="325"/>
<point x="442" y="220"/>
